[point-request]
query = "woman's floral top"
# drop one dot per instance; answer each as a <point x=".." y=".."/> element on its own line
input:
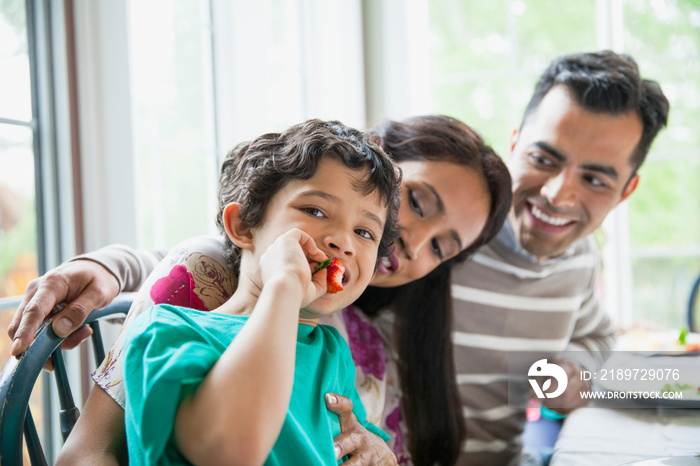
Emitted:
<point x="201" y="280"/>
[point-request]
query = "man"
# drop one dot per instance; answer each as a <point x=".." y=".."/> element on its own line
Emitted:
<point x="584" y="135"/>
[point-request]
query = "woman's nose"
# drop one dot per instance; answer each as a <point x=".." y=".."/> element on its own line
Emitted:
<point x="414" y="238"/>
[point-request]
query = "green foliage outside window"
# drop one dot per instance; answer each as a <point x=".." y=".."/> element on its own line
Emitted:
<point x="486" y="57"/>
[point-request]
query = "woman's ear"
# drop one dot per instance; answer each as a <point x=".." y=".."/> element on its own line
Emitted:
<point x="236" y="230"/>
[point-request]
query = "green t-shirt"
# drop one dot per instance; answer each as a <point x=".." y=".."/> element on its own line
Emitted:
<point x="170" y="350"/>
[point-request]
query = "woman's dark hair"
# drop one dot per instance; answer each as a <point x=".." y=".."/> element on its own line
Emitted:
<point x="253" y="172"/>
<point x="607" y="82"/>
<point x="430" y="401"/>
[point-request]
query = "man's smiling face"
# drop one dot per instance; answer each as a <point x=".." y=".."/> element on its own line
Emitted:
<point x="570" y="168"/>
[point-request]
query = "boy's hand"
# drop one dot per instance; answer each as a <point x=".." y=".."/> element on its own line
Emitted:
<point x="292" y="257"/>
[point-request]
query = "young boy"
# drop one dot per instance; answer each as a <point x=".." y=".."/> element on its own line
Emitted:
<point x="244" y="384"/>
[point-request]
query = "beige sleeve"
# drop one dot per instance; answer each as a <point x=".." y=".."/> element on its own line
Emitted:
<point x="129" y="266"/>
<point x="213" y="282"/>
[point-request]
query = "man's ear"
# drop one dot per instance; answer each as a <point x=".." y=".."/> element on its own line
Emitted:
<point x="514" y="139"/>
<point x="236" y="230"/>
<point x="631" y="186"/>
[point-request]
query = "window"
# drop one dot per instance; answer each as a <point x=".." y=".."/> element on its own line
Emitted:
<point x="185" y="82"/>
<point x="18" y="213"/>
<point x="485" y="58"/>
<point x="664" y="213"/>
<point x="31" y="196"/>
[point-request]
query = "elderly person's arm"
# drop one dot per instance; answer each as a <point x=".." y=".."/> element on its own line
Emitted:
<point x="78" y="287"/>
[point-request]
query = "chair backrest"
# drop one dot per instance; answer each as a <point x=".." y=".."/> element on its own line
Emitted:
<point x="21" y="373"/>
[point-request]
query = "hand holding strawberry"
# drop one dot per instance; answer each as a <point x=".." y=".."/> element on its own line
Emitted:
<point x="287" y="259"/>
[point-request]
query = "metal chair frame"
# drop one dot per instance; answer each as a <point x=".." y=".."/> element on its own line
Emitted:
<point x="20" y="375"/>
<point x="694" y="290"/>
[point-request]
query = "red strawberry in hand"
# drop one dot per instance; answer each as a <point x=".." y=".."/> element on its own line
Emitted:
<point x="334" y="277"/>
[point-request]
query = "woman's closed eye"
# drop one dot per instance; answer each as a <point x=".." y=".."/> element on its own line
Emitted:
<point x="435" y="246"/>
<point x="413" y="202"/>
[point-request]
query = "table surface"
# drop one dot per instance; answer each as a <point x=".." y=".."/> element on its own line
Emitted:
<point x="605" y="436"/>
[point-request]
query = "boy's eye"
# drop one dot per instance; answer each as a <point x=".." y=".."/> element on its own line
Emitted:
<point x="365" y="233"/>
<point x="413" y="202"/>
<point x="313" y="211"/>
<point x="436" y="248"/>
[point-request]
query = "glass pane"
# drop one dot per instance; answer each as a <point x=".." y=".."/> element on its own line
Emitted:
<point x="15" y="89"/>
<point x="667" y="29"/>
<point x="661" y="290"/>
<point x="548" y="28"/>
<point x="678" y="79"/>
<point x="18" y="241"/>
<point x="174" y="132"/>
<point x="486" y="57"/>
<point x="665" y="208"/>
<point x="487" y="105"/>
<point x="664" y="37"/>
<point x="176" y="183"/>
<point x="468" y="36"/>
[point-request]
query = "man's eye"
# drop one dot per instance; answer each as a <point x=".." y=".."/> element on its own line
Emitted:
<point x="595" y="181"/>
<point x="313" y="211"/>
<point x="540" y="159"/>
<point x="365" y="233"/>
<point x="436" y="248"/>
<point x="413" y="202"/>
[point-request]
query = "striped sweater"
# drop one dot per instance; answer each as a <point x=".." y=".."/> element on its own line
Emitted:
<point x="505" y="301"/>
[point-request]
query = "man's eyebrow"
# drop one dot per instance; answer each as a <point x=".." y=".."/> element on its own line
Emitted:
<point x="441" y="208"/>
<point x="332" y="198"/>
<point x="604" y="169"/>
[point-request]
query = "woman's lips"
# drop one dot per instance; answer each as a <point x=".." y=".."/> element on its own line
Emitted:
<point x="388" y="264"/>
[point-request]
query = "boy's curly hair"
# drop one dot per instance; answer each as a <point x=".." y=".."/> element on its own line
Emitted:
<point x="253" y="172"/>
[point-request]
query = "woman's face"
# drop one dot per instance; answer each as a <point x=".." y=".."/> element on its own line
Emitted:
<point x="444" y="208"/>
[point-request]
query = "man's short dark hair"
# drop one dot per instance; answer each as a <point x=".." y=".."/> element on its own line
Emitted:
<point x="607" y="82"/>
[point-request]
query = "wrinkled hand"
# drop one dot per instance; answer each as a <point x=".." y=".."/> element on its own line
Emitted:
<point x="83" y="286"/>
<point x="362" y="446"/>
<point x="571" y="398"/>
<point x="293" y="256"/>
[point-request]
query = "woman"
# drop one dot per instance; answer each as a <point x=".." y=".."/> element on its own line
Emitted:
<point x="456" y="193"/>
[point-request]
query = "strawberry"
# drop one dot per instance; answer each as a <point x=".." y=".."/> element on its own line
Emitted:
<point x="334" y="277"/>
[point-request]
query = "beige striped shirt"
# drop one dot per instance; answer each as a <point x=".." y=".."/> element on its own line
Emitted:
<point x="504" y="302"/>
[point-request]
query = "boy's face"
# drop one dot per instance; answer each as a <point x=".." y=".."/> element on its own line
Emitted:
<point x="343" y="222"/>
